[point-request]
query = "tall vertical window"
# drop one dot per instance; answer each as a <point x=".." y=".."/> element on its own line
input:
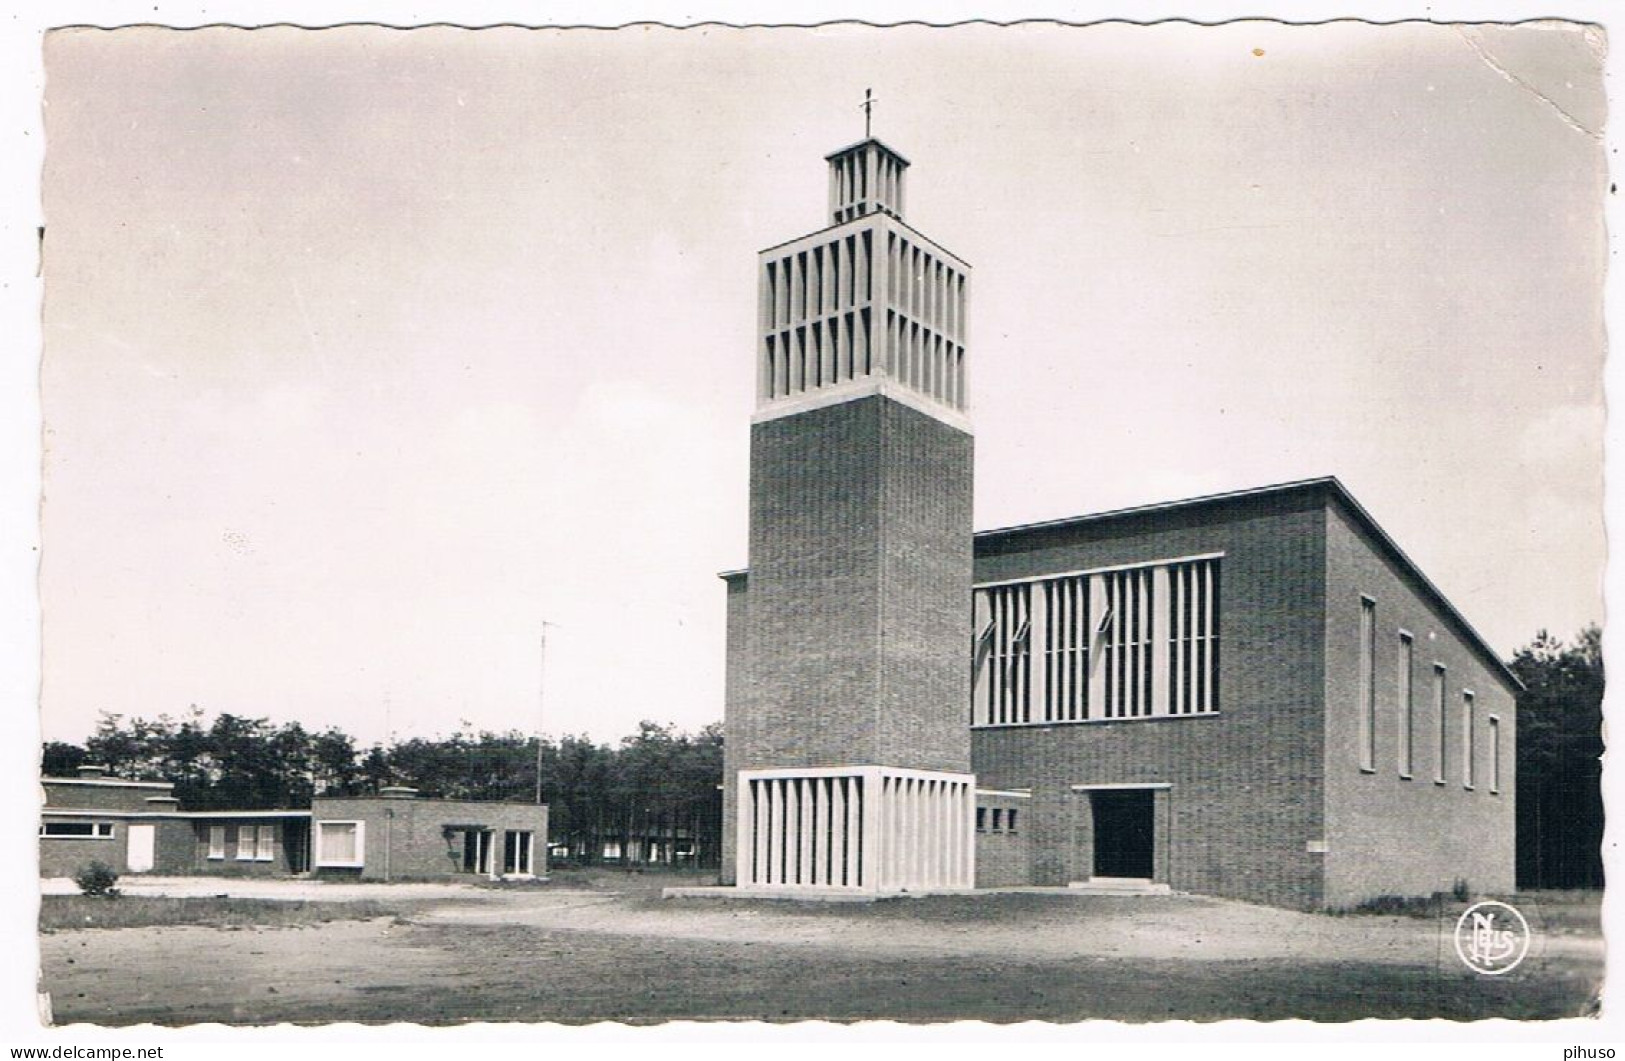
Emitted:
<point x="1367" y="706"/>
<point x="1121" y="643"/>
<point x="245" y="843"/>
<point x="217" y="841"/>
<point x="265" y="847"/>
<point x="1467" y="723"/>
<point x="1441" y="724"/>
<point x="1495" y="754"/>
<point x="1407" y="707"/>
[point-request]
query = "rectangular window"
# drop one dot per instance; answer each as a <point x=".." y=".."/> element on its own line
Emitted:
<point x="1467" y="726"/>
<point x="340" y="843"/>
<point x="1123" y="643"/>
<point x="997" y="818"/>
<point x="1010" y="820"/>
<point x="217" y="841"/>
<point x="1367" y="690"/>
<point x="981" y="819"/>
<point x="78" y="830"/>
<point x="1495" y="754"/>
<point x="265" y="847"/>
<point x="245" y="842"/>
<point x="1441" y="724"/>
<point x="1407" y="707"/>
<point x="516" y="849"/>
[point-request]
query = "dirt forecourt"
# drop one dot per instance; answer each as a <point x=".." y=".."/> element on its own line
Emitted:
<point x="591" y="947"/>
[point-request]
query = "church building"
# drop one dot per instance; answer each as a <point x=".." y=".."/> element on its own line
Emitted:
<point x="1254" y="695"/>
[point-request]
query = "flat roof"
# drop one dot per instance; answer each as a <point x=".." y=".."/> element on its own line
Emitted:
<point x="875" y="140"/>
<point x="106" y="782"/>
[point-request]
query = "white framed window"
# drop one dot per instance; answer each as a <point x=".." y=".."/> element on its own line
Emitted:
<point x="1441" y="723"/>
<point x="341" y="844"/>
<point x="1468" y="709"/>
<point x="1407" y="706"/>
<point x="1367" y="690"/>
<point x="217" y="842"/>
<point x="612" y="849"/>
<point x="265" y="846"/>
<point x="517" y="848"/>
<point x="244" y="835"/>
<point x="1495" y="754"/>
<point x="77" y="830"/>
<point x="1130" y="642"/>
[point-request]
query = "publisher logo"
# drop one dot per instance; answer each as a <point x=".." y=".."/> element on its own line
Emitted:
<point x="1492" y="938"/>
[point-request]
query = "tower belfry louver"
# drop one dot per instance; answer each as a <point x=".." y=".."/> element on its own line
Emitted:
<point x="847" y="744"/>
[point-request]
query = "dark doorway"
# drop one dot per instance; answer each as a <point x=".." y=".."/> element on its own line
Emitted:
<point x="296" y="843"/>
<point x="1124" y="832"/>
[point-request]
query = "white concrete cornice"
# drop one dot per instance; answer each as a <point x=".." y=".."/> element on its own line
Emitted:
<point x="853" y="390"/>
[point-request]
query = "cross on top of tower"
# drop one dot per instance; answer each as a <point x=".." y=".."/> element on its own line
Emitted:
<point x="868" y="105"/>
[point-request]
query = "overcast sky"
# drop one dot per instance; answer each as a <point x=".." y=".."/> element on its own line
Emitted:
<point x="368" y="350"/>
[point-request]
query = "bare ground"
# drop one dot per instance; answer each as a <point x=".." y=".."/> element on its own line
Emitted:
<point x="610" y="949"/>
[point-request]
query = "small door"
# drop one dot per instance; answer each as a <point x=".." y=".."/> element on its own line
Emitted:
<point x="138" y="853"/>
<point x="1124" y="823"/>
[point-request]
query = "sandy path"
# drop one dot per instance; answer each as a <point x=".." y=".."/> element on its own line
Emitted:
<point x="578" y="955"/>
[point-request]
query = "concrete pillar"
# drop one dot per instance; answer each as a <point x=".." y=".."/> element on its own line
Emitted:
<point x="1097" y="646"/>
<point x="744" y="849"/>
<point x="1161" y="614"/>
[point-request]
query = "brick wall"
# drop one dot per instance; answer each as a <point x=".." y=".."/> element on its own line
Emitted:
<point x="406" y="839"/>
<point x="860" y="561"/>
<point x="238" y="840"/>
<point x="101" y="795"/>
<point x="1389" y="835"/>
<point x="65" y="856"/>
<point x="736" y="719"/>
<point x="1244" y="795"/>
<point x="1003" y="853"/>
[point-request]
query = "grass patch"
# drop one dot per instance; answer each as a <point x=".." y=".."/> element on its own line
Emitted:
<point x="66" y="913"/>
<point x="1420" y="906"/>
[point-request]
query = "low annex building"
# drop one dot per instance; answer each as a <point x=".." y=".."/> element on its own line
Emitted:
<point x="139" y="827"/>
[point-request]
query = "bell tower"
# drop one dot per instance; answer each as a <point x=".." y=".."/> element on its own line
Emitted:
<point x="848" y="744"/>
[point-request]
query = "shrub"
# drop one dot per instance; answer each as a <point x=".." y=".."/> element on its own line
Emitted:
<point x="98" y="878"/>
<point x="1460" y="890"/>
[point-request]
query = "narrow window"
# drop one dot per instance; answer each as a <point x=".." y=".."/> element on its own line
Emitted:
<point x="217" y="841"/>
<point x="266" y="849"/>
<point x="1368" y="684"/>
<point x="245" y="843"/>
<point x="1010" y="820"/>
<point x="1407" y="707"/>
<point x="1441" y="724"/>
<point x="1495" y="754"/>
<point x="981" y="819"/>
<point x="996" y="818"/>
<point x="1467" y="739"/>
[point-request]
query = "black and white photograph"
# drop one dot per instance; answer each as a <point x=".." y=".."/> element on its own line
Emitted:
<point x="1058" y="521"/>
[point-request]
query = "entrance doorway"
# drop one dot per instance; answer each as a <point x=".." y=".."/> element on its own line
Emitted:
<point x="1124" y="832"/>
<point x="477" y="852"/>
<point x="141" y="840"/>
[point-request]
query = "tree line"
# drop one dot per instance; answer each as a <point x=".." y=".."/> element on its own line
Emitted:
<point x="654" y="796"/>
<point x="658" y="788"/>
<point x="1560" y="745"/>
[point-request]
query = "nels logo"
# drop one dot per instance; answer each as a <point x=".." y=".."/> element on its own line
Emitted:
<point x="1492" y="938"/>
